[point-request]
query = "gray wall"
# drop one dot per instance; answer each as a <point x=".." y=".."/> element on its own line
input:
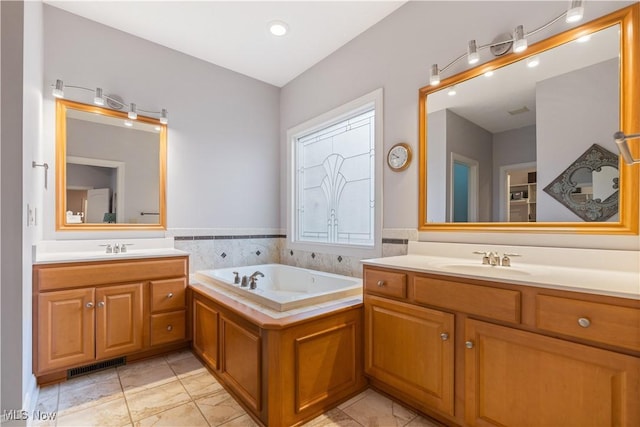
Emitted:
<point x="396" y="55"/>
<point x="511" y="147"/>
<point x="586" y="115"/>
<point x="472" y="141"/>
<point x="437" y="166"/>
<point x="223" y="150"/>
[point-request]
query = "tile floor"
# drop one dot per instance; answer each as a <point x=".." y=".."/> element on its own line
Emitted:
<point x="177" y="390"/>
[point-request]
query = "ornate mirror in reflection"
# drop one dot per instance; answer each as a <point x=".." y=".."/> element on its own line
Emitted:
<point x="491" y="136"/>
<point x="110" y="170"/>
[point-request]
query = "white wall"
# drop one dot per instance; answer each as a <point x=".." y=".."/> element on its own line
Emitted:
<point x="573" y="111"/>
<point x="223" y="150"/>
<point x="396" y="54"/>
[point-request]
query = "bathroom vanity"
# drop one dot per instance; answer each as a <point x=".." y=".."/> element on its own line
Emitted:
<point x="478" y="351"/>
<point x="103" y="310"/>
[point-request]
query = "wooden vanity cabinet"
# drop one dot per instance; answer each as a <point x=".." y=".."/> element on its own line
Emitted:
<point x="96" y="311"/>
<point x="522" y="355"/>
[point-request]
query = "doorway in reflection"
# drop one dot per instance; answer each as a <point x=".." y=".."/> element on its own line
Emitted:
<point x="464" y="189"/>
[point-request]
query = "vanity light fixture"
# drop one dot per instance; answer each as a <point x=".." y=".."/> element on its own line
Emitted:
<point x="113" y="101"/>
<point x="58" y="90"/>
<point x="98" y="99"/>
<point x="472" y="52"/>
<point x="434" y="79"/>
<point x="519" y="40"/>
<point x="133" y="112"/>
<point x="504" y="42"/>
<point x="621" y="141"/>
<point x="278" y="28"/>
<point x="575" y="12"/>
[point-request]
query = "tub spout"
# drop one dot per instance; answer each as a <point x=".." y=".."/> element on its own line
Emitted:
<point x="257" y="273"/>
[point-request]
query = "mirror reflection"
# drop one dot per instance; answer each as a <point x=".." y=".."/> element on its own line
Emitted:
<point x="496" y="138"/>
<point x="113" y="168"/>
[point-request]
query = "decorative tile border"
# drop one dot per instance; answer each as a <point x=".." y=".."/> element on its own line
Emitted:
<point x="233" y="237"/>
<point x="395" y="241"/>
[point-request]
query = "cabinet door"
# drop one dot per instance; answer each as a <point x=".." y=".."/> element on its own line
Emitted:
<point x="205" y="332"/>
<point x="517" y="378"/>
<point x="119" y="316"/>
<point x="411" y="349"/>
<point x="65" y="329"/>
<point x="240" y="354"/>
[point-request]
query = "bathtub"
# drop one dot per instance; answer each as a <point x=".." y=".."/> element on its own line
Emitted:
<point x="284" y="287"/>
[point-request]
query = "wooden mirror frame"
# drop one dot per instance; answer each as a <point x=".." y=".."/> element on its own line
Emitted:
<point x="629" y="20"/>
<point x="61" y="170"/>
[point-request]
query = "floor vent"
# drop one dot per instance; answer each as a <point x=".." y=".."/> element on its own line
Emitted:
<point x="83" y="370"/>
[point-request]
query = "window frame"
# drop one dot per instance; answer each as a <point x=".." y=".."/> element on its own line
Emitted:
<point x="352" y="108"/>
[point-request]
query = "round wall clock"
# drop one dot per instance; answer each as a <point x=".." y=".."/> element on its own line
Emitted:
<point x="399" y="157"/>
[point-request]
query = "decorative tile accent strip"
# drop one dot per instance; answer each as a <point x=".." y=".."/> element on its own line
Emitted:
<point x="203" y="237"/>
<point x="183" y="238"/>
<point x="339" y="258"/>
<point x="291" y="253"/>
<point x="230" y="237"/>
<point x="313" y="255"/>
<point x="258" y="253"/>
<point x="223" y="255"/>
<point x="396" y="241"/>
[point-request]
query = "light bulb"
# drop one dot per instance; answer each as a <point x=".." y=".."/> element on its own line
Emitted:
<point x="519" y="40"/>
<point x="58" y="91"/>
<point x="452" y="91"/>
<point x="163" y="118"/>
<point x="98" y="99"/>
<point x="133" y="112"/>
<point x="128" y="123"/>
<point x="472" y="52"/>
<point x="278" y="28"/>
<point x="575" y="12"/>
<point x="533" y="61"/>
<point x="488" y="74"/>
<point x="434" y="78"/>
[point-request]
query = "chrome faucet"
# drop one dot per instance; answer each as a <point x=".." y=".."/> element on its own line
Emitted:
<point x="236" y="278"/>
<point x="494" y="258"/>
<point x="116" y="248"/>
<point x="257" y="273"/>
<point x="506" y="259"/>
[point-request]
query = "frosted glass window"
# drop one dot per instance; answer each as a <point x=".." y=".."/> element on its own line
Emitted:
<point x="335" y="182"/>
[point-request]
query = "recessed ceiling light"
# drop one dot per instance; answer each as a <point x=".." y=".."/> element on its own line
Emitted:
<point x="452" y="91"/>
<point x="278" y="28"/>
<point x="488" y="74"/>
<point x="533" y="61"/>
<point x="584" y="38"/>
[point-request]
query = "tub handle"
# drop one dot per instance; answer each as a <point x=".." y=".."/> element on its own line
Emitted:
<point x="380" y="283"/>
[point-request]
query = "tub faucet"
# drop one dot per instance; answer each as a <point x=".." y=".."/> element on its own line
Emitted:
<point x="252" y="283"/>
<point x="243" y="283"/>
<point x="236" y="278"/>
<point x="494" y="258"/>
<point x="257" y="273"/>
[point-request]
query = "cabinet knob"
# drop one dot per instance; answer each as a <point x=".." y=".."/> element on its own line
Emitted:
<point x="468" y="344"/>
<point x="584" y="322"/>
<point x="89" y="304"/>
<point x="170" y="295"/>
<point x="170" y="328"/>
<point x="380" y="283"/>
<point x="444" y="336"/>
<point x="101" y="304"/>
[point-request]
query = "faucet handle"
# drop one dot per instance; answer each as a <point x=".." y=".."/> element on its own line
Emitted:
<point x="236" y="278"/>
<point x="485" y="256"/>
<point x="123" y="247"/>
<point x="108" y="249"/>
<point x="506" y="259"/>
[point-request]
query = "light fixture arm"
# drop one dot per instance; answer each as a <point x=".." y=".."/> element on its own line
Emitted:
<point x="621" y="141"/>
<point x="511" y="40"/>
<point x="121" y="103"/>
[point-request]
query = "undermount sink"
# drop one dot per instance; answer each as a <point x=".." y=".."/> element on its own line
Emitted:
<point x="483" y="269"/>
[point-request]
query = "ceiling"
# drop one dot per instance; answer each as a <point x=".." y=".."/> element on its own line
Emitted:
<point x="235" y="34"/>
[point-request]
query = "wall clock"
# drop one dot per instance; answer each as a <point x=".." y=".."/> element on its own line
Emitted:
<point x="399" y="157"/>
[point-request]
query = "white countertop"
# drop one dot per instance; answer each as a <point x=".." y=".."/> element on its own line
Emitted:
<point x="616" y="283"/>
<point x="60" y="251"/>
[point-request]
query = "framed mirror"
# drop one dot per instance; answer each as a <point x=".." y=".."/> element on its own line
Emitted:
<point x="110" y="171"/>
<point x="493" y="137"/>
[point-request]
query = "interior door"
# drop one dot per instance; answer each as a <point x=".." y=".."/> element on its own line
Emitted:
<point x="97" y="204"/>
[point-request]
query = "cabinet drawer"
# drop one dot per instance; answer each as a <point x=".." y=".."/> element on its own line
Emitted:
<point x="605" y="323"/>
<point x="168" y="294"/>
<point x="494" y="303"/>
<point x="386" y="283"/>
<point x="167" y="327"/>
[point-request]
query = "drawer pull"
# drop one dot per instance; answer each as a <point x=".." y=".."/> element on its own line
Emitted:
<point x="170" y="328"/>
<point x="444" y="336"/>
<point x="584" y="322"/>
<point x="170" y="295"/>
<point x="89" y="304"/>
<point x="380" y="283"/>
<point x="468" y="344"/>
<point x="101" y="304"/>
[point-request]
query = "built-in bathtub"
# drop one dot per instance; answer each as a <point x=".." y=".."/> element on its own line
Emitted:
<point x="284" y="287"/>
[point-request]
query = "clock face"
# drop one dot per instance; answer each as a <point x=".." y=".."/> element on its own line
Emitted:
<point x="398" y="157"/>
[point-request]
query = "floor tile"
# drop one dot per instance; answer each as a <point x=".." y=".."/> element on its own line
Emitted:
<point x="78" y="395"/>
<point x="89" y="379"/>
<point x="219" y="408"/>
<point x="355" y="398"/>
<point x="177" y="355"/>
<point x="201" y="385"/>
<point x="143" y="404"/>
<point x="423" y="422"/>
<point x="186" y="415"/>
<point x="186" y="366"/>
<point x="243" y="421"/>
<point x="113" y="413"/>
<point x="377" y="410"/>
<point x="145" y="375"/>
<point x="48" y="398"/>
<point x="333" y="418"/>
